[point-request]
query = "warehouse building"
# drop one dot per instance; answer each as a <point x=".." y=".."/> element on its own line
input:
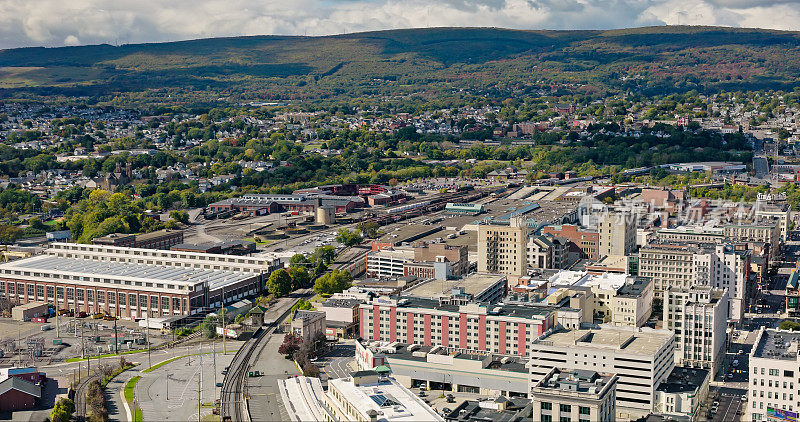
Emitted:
<point x="132" y="282"/>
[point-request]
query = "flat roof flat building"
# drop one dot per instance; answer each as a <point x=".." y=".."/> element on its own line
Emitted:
<point x="773" y="387"/>
<point x="641" y="358"/>
<point x="131" y="282"/>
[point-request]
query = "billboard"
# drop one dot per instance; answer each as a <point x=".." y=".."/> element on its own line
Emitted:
<point x="780" y="415"/>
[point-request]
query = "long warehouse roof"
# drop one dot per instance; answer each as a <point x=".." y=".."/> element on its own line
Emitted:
<point x="125" y="271"/>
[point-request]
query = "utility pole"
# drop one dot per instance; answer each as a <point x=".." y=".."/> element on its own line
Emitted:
<point x="214" y="359"/>
<point x="224" y="349"/>
<point x="198" y="395"/>
<point x="147" y="331"/>
<point x="116" y="339"/>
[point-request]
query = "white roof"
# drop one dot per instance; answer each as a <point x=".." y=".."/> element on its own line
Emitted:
<point x="399" y="404"/>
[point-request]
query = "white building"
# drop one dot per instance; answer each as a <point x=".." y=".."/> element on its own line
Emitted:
<point x="388" y="262"/>
<point x="698" y="316"/>
<point x="774" y="364"/>
<point x="575" y="395"/>
<point x="640" y="357"/>
<point x="364" y="396"/>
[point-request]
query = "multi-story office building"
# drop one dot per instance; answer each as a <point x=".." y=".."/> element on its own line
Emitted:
<point x="616" y="234"/>
<point x="471" y="328"/>
<point x="641" y="358"/>
<point x="731" y="271"/>
<point x="436" y="260"/>
<point x="766" y="210"/>
<point x="675" y="265"/>
<point x="436" y="368"/>
<point x="773" y="387"/>
<point x="365" y="396"/>
<point x="574" y="395"/>
<point x="699" y="317"/>
<point x="694" y="234"/>
<point x="131" y="282"/>
<point x="764" y="230"/>
<point x="682" y="394"/>
<point x="685" y="265"/>
<point x="502" y="248"/>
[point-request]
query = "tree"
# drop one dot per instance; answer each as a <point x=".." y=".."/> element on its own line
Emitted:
<point x="210" y="324"/>
<point x="303" y="305"/>
<point x="789" y="325"/>
<point x="369" y="229"/>
<point x="180" y="216"/>
<point x="9" y="233"/>
<point x="297" y="260"/>
<point x="300" y="277"/>
<point x="63" y="410"/>
<point x="291" y="344"/>
<point x="325" y="254"/>
<point x="279" y="283"/>
<point x="348" y="237"/>
<point x="333" y="282"/>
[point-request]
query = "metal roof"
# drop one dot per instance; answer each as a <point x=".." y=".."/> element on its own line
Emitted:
<point x="125" y="271"/>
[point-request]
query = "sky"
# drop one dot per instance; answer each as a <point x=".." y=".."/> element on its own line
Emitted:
<point x="52" y="23"/>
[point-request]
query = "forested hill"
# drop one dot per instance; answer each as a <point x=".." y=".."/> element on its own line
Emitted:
<point x="436" y="62"/>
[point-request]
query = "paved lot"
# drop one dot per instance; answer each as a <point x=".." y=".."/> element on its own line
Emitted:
<point x="170" y="393"/>
<point x="265" y="400"/>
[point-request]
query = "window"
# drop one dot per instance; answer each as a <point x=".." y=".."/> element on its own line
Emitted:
<point x="565" y="408"/>
<point x="546" y="405"/>
<point x="583" y="410"/>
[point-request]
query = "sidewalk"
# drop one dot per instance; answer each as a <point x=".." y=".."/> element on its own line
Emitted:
<point x="115" y="398"/>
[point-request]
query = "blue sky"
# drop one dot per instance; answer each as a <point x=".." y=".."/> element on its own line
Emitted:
<point x="76" y="22"/>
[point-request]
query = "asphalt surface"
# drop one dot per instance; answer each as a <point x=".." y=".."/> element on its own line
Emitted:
<point x="170" y="393"/>
<point x="265" y="400"/>
<point x="339" y="362"/>
<point x="729" y="403"/>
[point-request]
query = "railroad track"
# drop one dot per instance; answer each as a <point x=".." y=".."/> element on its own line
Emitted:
<point x="234" y="386"/>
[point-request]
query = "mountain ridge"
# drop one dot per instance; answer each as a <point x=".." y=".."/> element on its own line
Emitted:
<point x="650" y="60"/>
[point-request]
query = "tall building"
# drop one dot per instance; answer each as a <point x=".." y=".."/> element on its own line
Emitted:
<point x="547" y="252"/>
<point x="641" y="359"/>
<point x="582" y="241"/>
<point x="685" y="265"/>
<point x="698" y="316"/>
<point x="765" y="210"/>
<point x="616" y="234"/>
<point x="502" y="248"/>
<point x="763" y="230"/>
<point x="574" y="395"/>
<point x="774" y="364"/>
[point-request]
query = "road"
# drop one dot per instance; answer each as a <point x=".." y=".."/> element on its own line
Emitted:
<point x="339" y="361"/>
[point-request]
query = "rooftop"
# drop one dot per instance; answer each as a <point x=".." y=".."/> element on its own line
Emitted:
<point x="419" y="353"/>
<point x="576" y="381"/>
<point x="84" y="269"/>
<point x="473" y="284"/>
<point x="626" y="339"/>
<point x="683" y="380"/>
<point x="777" y="344"/>
<point x="510" y="310"/>
<point x="491" y="410"/>
<point x="387" y="397"/>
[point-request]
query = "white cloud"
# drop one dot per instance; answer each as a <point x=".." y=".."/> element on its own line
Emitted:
<point x="67" y="22"/>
